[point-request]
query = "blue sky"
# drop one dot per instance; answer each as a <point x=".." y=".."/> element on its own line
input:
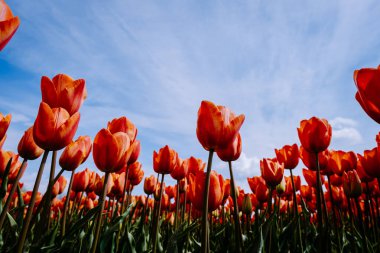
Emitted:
<point x="278" y="62"/>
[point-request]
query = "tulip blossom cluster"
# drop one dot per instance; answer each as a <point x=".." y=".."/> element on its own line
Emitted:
<point x="331" y="206"/>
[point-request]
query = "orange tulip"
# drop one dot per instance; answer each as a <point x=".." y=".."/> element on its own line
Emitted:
<point x="288" y="155"/>
<point x="194" y="165"/>
<point x="180" y="171"/>
<point x="134" y="152"/>
<point x="119" y="181"/>
<point x="232" y="151"/>
<point x="341" y="161"/>
<point x="93" y="178"/>
<point x="59" y="186"/>
<point x="217" y="126"/>
<point x="336" y="180"/>
<point x="165" y="160"/>
<point x="8" y="24"/>
<point x="315" y="134"/>
<point x="4" y="121"/>
<point x="123" y="124"/>
<point x="261" y="192"/>
<point x="367" y="81"/>
<point x="27" y="148"/>
<point x="109" y="150"/>
<point x="54" y="128"/>
<point x="352" y="184"/>
<point x="63" y="91"/>
<point x="150" y="184"/>
<point x="75" y="153"/>
<point x="370" y="162"/>
<point x="306" y="192"/>
<point x="99" y="185"/>
<point x="364" y="177"/>
<point x="136" y="174"/>
<point x="171" y="191"/>
<point x="271" y="171"/>
<point x="197" y="186"/>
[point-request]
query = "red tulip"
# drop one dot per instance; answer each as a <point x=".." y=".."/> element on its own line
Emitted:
<point x="150" y="184"/>
<point x="109" y="150"/>
<point x="341" y="161"/>
<point x="254" y="181"/>
<point x="63" y="91"/>
<point x="367" y="82"/>
<point x="232" y="151"/>
<point x="123" y="124"/>
<point x="271" y="171"/>
<point x="370" y="162"/>
<point x="54" y="128"/>
<point x="315" y="134"/>
<point x="80" y="181"/>
<point x="8" y="24"/>
<point x="197" y="187"/>
<point x="27" y="148"/>
<point x="309" y="159"/>
<point x="194" y="165"/>
<point x="136" y="174"/>
<point x="288" y="155"/>
<point x="261" y="192"/>
<point x="165" y="160"/>
<point x="311" y="177"/>
<point x="5" y="156"/>
<point x="134" y="152"/>
<point x="217" y="126"/>
<point x="75" y="153"/>
<point x="352" y="184"/>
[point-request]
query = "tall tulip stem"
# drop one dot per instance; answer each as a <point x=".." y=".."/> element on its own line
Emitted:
<point x="295" y="207"/>
<point x="177" y="207"/>
<point x="12" y="191"/>
<point x="67" y="201"/>
<point x="99" y="218"/>
<point x="29" y="213"/>
<point x="205" y="244"/>
<point x="155" y="227"/>
<point x="238" y="234"/>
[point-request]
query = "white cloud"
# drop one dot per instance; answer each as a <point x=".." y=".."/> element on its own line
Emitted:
<point x="344" y="129"/>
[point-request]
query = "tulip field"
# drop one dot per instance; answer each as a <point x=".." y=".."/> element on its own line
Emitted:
<point x="333" y="206"/>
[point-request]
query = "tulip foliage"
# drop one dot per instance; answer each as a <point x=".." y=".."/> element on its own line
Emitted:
<point x="332" y="205"/>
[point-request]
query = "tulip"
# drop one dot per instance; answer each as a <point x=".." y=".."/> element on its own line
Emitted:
<point x="311" y="177"/>
<point x="261" y="192"/>
<point x="194" y="165"/>
<point x="341" y="161"/>
<point x="123" y="124"/>
<point x="315" y="134"/>
<point x="150" y="184"/>
<point x="217" y="126"/>
<point x="109" y="150"/>
<point x="75" y="153"/>
<point x="134" y="152"/>
<point x="165" y="160"/>
<point x="352" y="184"/>
<point x="63" y="91"/>
<point x="80" y="181"/>
<point x="180" y="170"/>
<point x="54" y="128"/>
<point x="288" y="155"/>
<point x="370" y="162"/>
<point x="309" y="159"/>
<point x="271" y="171"/>
<point x="4" y="121"/>
<point x="27" y="148"/>
<point x="367" y="81"/>
<point x="231" y="152"/>
<point x="8" y="24"/>
<point x="254" y="181"/>
<point x="197" y="186"/>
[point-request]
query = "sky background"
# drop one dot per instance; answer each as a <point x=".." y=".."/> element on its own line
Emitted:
<point x="277" y="62"/>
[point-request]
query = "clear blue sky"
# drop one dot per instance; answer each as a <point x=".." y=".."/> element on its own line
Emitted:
<point x="277" y="62"/>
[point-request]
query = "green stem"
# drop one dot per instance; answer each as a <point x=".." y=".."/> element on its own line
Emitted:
<point x="177" y="207"/>
<point x="361" y="224"/>
<point x="99" y="218"/>
<point x="67" y="201"/>
<point x="25" y="227"/>
<point x="155" y="227"/>
<point x="205" y="231"/>
<point x="238" y="234"/>
<point x="295" y="207"/>
<point x="12" y="191"/>
<point x="337" y="234"/>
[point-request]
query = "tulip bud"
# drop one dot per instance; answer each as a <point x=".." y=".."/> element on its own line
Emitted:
<point x="247" y="205"/>
<point x="351" y="184"/>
